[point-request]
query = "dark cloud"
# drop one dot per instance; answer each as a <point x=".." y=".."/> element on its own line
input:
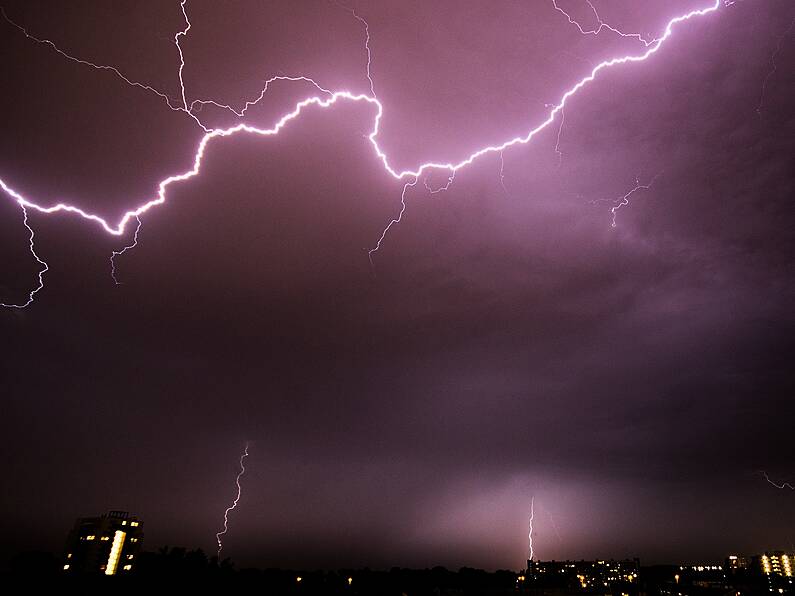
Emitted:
<point x="508" y="343"/>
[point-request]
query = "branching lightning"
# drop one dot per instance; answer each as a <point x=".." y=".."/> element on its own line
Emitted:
<point x="116" y="253"/>
<point x="773" y="65"/>
<point x="326" y="100"/>
<point x="366" y="26"/>
<point x="624" y="200"/>
<point x="601" y="25"/>
<point x="783" y="485"/>
<point x="395" y="221"/>
<point x="44" y="266"/>
<point x="179" y="34"/>
<point x="234" y="503"/>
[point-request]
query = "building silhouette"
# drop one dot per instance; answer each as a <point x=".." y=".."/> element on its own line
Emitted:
<point x="577" y="577"/>
<point x="108" y="544"/>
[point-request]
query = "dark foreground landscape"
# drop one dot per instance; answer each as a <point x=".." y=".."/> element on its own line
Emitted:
<point x="192" y="571"/>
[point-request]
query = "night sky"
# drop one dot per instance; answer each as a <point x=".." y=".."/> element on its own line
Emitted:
<point x="508" y="342"/>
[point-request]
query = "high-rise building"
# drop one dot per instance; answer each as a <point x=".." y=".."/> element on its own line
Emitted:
<point x="107" y="544"/>
<point x="776" y="563"/>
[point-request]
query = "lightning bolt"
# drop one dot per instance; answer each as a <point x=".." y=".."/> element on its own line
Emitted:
<point x="234" y="503"/>
<point x="329" y="99"/>
<point x="773" y="66"/>
<point x="395" y="221"/>
<point x="434" y="191"/>
<point x="560" y="133"/>
<point x="366" y="26"/>
<point x="116" y="253"/>
<point x="624" y="200"/>
<point x="105" y="67"/>
<point x="602" y="25"/>
<point x="44" y="266"/>
<point x="502" y="172"/>
<point x="530" y="529"/>
<point x="780" y="486"/>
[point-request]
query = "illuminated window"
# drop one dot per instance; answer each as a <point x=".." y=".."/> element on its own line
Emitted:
<point x="124" y="523"/>
<point x="133" y="540"/>
<point x="127" y="567"/>
<point x="90" y="537"/>
<point x="134" y="524"/>
<point x="65" y="567"/>
<point x="115" y="552"/>
<point x="105" y="538"/>
<point x="129" y="557"/>
<point x="69" y="556"/>
<point x="298" y="579"/>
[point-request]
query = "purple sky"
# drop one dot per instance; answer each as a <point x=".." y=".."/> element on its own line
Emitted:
<point x="509" y="343"/>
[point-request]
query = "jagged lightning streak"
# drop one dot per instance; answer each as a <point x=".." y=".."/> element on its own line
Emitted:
<point x="502" y="172"/>
<point x="395" y="221"/>
<point x="234" y="503"/>
<point x="105" y="67"/>
<point x="560" y="133"/>
<point x="602" y="25"/>
<point x="179" y="34"/>
<point x="42" y="271"/>
<point x="118" y="228"/>
<point x="530" y="552"/>
<point x="366" y="26"/>
<point x="624" y="200"/>
<point x="241" y="112"/>
<point x="773" y="65"/>
<point x="434" y="191"/>
<point x="116" y="253"/>
<point x="780" y="486"/>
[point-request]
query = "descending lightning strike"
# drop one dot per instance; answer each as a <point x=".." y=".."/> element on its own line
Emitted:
<point x="413" y="175"/>
<point x="602" y="25"/>
<point x="624" y="200"/>
<point x="117" y="253"/>
<point x="530" y="530"/>
<point x="783" y="485"/>
<point x="366" y="26"/>
<point x="44" y="266"/>
<point x="560" y="133"/>
<point x="234" y="503"/>
<point x="179" y="34"/>
<point x="773" y="65"/>
<point x="395" y="221"/>
<point x="502" y="172"/>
